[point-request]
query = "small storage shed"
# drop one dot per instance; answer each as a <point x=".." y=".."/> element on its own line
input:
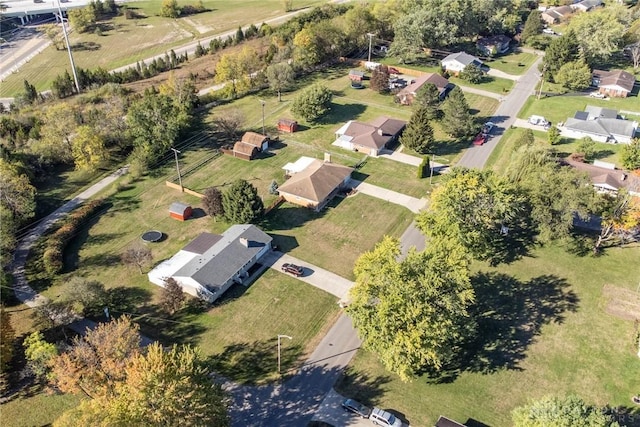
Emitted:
<point x="244" y="151"/>
<point x="261" y="142"/>
<point x="180" y="211"/>
<point x="286" y="125"/>
<point x="356" y="75"/>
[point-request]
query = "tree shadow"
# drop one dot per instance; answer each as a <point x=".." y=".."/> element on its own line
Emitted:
<point x="288" y="217"/>
<point x="624" y="415"/>
<point x="513" y="243"/>
<point x="124" y="299"/>
<point x="87" y="46"/>
<point x="510" y="314"/>
<point x="363" y="387"/>
<point x="343" y="113"/>
<point x="180" y="328"/>
<point x="254" y="362"/>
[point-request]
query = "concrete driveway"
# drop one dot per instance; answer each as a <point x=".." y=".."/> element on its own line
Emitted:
<point x="497" y="73"/>
<point x="521" y="123"/>
<point x="330" y="411"/>
<point x="313" y="275"/>
<point x="412" y="203"/>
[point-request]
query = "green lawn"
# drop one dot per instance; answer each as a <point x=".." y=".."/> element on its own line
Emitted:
<point x="36" y="410"/>
<point x="547" y="333"/>
<point x="515" y="63"/>
<point x="489" y="83"/>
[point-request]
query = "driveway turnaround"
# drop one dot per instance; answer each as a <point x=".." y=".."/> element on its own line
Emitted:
<point x="313" y="275"/>
<point x="412" y="203"/>
<point x="330" y="411"/>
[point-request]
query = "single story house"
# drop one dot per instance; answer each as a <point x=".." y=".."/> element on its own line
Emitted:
<point x="456" y="62"/>
<point x="211" y="263"/>
<point x="245" y="151"/>
<point x="356" y="75"/>
<point x="313" y="182"/>
<point x="370" y="138"/>
<point x="600" y="124"/>
<point x="408" y="93"/>
<point x="494" y="45"/>
<point x="607" y="180"/>
<point x="180" y="211"/>
<point x="261" y="142"/>
<point x="556" y="14"/>
<point x="586" y="5"/>
<point x="614" y="83"/>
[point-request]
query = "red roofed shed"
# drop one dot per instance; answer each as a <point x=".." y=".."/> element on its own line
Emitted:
<point x="180" y="211"/>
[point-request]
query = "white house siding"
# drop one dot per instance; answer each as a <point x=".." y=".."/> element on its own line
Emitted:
<point x="454" y="66"/>
<point x="577" y="135"/>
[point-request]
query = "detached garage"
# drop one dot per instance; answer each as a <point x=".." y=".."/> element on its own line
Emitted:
<point x="180" y="211"/>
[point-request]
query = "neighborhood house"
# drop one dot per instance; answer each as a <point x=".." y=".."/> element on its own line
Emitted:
<point x="556" y="14"/>
<point x="607" y="180"/>
<point x="211" y="263"/>
<point x="456" y="62"/>
<point x="494" y="45"/>
<point x="313" y="182"/>
<point x="600" y="124"/>
<point x="370" y="138"/>
<point x="614" y="83"/>
<point x="408" y="93"/>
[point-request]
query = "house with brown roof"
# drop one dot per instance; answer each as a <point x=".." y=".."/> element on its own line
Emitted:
<point x="494" y="45"/>
<point x="408" y="93"/>
<point x="606" y="180"/>
<point x="313" y="182"/>
<point x="614" y="83"/>
<point x="556" y="14"/>
<point x="370" y="138"/>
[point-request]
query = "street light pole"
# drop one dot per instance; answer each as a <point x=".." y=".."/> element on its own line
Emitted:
<point x="370" y="39"/>
<point x="66" y="39"/>
<point x="281" y="336"/>
<point x="175" y="152"/>
<point x="263" y="129"/>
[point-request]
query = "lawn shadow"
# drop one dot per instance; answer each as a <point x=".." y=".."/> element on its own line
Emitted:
<point x="342" y="113"/>
<point x="361" y="386"/>
<point x="625" y="415"/>
<point x="89" y="46"/>
<point x="254" y="362"/>
<point x="125" y="299"/>
<point x="510" y="314"/>
<point x="179" y="328"/>
<point x="288" y="217"/>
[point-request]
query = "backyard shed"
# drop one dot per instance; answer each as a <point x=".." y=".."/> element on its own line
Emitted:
<point x="356" y="75"/>
<point x="286" y="125"/>
<point x="180" y="211"/>
<point x="245" y="151"/>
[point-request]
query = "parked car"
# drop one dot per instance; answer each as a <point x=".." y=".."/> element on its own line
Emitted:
<point x="384" y="418"/>
<point x="481" y="138"/>
<point x="549" y="31"/>
<point x="356" y="407"/>
<point x="487" y="127"/>
<point x="296" y="270"/>
<point x="539" y="121"/>
<point x="597" y="95"/>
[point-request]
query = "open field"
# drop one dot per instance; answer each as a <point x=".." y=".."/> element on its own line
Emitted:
<point x="36" y="410"/>
<point x="549" y="334"/>
<point x="124" y="41"/>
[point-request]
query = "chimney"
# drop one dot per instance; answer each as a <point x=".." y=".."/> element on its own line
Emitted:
<point x="244" y="242"/>
<point x="380" y="132"/>
<point x="327" y="157"/>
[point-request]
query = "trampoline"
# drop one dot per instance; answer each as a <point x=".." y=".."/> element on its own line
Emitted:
<point x="152" y="236"/>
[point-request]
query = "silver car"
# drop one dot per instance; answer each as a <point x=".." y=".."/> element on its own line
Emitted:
<point x="384" y="418"/>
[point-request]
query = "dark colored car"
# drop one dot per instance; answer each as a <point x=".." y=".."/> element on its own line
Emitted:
<point x="296" y="270"/>
<point x="357" y="408"/>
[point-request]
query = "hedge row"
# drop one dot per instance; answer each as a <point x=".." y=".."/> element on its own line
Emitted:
<point x="53" y="253"/>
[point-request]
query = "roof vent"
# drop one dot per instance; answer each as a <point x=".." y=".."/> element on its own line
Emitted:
<point x="244" y="242"/>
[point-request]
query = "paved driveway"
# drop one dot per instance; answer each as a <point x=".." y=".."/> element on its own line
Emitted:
<point x="330" y="411"/>
<point x="412" y="203"/>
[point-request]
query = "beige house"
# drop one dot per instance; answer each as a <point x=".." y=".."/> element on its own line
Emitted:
<point x="408" y="94"/>
<point x="369" y="138"/>
<point x="556" y="14"/>
<point x="313" y="182"/>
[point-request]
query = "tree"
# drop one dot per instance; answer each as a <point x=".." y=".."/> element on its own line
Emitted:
<point x="472" y="73"/>
<point x="137" y="255"/>
<point x="55" y="143"/>
<point x="39" y="354"/>
<point x="412" y="314"/>
<point x="89" y="149"/>
<point x="634" y="52"/>
<point x="561" y="50"/>
<point x="241" y="203"/>
<point x="82" y="19"/>
<point x="229" y="123"/>
<point x="87" y="297"/>
<point x="553" y="135"/>
<point x="62" y="86"/>
<point x="96" y="362"/>
<point x="161" y="388"/>
<point x="457" y="120"/>
<point x="312" y="103"/>
<point x="526" y="139"/>
<point x="586" y="146"/>
<point x="199" y="51"/>
<point x="234" y="69"/>
<point x="212" y="202"/>
<point x="280" y="77"/>
<point x="418" y="135"/>
<point x="172" y="298"/>
<point x="428" y="97"/>
<point x="7" y="340"/>
<point x="554" y="194"/>
<point x="471" y="208"/>
<point x="533" y="26"/>
<point x="380" y="79"/>
<point x="239" y="36"/>
<point x="631" y="155"/>
<point x="574" y="75"/>
<point x="54" y="33"/>
<point x="601" y="32"/>
<point x="560" y="411"/>
<point x="620" y="221"/>
<point x="170" y="9"/>
<point x="288" y="5"/>
<point x="30" y="92"/>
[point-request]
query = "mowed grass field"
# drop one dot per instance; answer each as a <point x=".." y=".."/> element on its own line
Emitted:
<point x="558" y="108"/>
<point x="549" y="335"/>
<point x="125" y="41"/>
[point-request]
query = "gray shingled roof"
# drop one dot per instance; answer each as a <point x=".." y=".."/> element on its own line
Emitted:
<point x="226" y="257"/>
<point x="202" y="243"/>
<point x="463" y="58"/>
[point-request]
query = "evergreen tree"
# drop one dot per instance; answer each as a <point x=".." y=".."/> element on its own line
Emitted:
<point x="457" y="120"/>
<point x="239" y="36"/>
<point x="30" y="92"/>
<point x="561" y="50"/>
<point x="533" y="26"/>
<point x="428" y="97"/>
<point x="418" y="135"/>
<point x="241" y="203"/>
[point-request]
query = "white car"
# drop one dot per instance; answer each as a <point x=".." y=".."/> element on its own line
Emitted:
<point x="384" y="418"/>
<point x="538" y="121"/>
<point x="597" y="95"/>
<point x="549" y="31"/>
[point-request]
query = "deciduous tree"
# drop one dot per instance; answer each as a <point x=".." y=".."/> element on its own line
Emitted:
<point x="39" y="354"/>
<point x="620" y="221"/>
<point x="630" y="155"/>
<point x="574" y="75"/>
<point x="229" y="123"/>
<point x="412" y="314"/>
<point x="170" y="9"/>
<point x="212" y="202"/>
<point x="380" y="79"/>
<point x="418" y="134"/>
<point x="553" y="135"/>
<point x="280" y="77"/>
<point x="561" y="50"/>
<point x="88" y="148"/>
<point x="137" y="255"/>
<point x="87" y="297"/>
<point x="173" y="297"/>
<point x="586" y="146"/>
<point x="601" y="32"/>
<point x="312" y="103"/>
<point x="561" y="411"/>
<point x="241" y="203"/>
<point x="7" y="340"/>
<point x="472" y="73"/>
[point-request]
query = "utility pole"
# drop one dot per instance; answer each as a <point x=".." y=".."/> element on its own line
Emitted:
<point x="175" y="152"/>
<point x="542" y="80"/>
<point x="263" y="129"/>
<point x="66" y="39"/>
<point x="370" y="41"/>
